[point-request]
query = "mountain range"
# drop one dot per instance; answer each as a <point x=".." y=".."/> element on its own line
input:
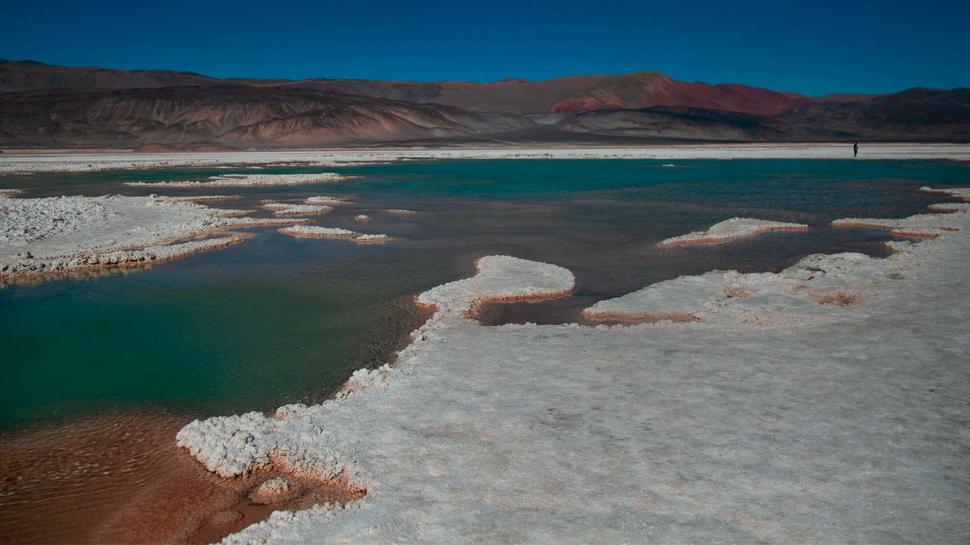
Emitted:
<point x="44" y="105"/>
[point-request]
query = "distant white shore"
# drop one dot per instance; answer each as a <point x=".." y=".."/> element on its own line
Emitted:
<point x="13" y="161"/>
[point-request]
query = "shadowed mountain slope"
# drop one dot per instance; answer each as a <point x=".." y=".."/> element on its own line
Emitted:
<point x="94" y="107"/>
<point x="235" y="116"/>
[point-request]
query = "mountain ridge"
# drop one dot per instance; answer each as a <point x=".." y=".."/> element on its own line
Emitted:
<point x="94" y="107"/>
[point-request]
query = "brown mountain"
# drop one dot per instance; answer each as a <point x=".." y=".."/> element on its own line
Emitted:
<point x="88" y="107"/>
<point x="572" y="94"/>
<point x="237" y="116"/>
<point x="28" y="75"/>
<point x="575" y="94"/>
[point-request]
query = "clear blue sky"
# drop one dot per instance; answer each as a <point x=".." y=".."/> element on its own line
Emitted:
<point x="815" y="48"/>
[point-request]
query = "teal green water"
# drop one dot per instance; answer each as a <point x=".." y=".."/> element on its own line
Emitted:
<point x="277" y="319"/>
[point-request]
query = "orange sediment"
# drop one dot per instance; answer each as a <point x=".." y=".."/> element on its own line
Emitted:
<point x="122" y="479"/>
<point x="640" y="318"/>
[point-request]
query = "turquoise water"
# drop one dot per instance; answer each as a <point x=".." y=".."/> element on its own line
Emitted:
<point x="277" y="319"/>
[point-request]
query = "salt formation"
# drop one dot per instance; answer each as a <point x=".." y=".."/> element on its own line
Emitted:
<point x="249" y="180"/>
<point x="205" y="198"/>
<point x="271" y="491"/>
<point x="361" y="218"/>
<point x="919" y="226"/>
<point x="950" y="207"/>
<point x="765" y="299"/>
<point x="315" y="231"/>
<point x="962" y="193"/>
<point x="842" y="424"/>
<point x="290" y="209"/>
<point x="66" y="234"/>
<point x="733" y="229"/>
<point x="327" y="200"/>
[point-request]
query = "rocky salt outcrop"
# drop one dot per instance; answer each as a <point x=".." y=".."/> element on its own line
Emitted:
<point x="683" y="432"/>
<point x="272" y="490"/>
<point x="361" y="218"/>
<point x="248" y="180"/>
<point x="60" y="235"/>
<point x="315" y="231"/>
<point x="733" y="229"/>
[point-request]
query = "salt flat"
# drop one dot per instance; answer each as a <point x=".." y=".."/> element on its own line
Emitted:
<point x="25" y="162"/>
<point x="781" y="415"/>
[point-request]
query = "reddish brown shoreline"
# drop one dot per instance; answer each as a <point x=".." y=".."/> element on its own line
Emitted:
<point x="121" y="479"/>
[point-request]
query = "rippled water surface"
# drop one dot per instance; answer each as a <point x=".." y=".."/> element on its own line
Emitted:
<point x="277" y="319"/>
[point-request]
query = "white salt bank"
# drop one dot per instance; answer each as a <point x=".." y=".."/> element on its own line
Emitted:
<point x="65" y="234"/>
<point x="293" y="209"/>
<point x="733" y="229"/>
<point x="327" y="200"/>
<point x="919" y="226"/>
<point x="249" y="180"/>
<point x="821" y="405"/>
<point x="315" y="231"/>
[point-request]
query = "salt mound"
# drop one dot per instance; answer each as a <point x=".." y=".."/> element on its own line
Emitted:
<point x="918" y="226"/>
<point x="315" y="231"/>
<point x="325" y="199"/>
<point x="271" y="491"/>
<point x="962" y="193"/>
<point x="733" y="229"/>
<point x="500" y="278"/>
<point x="250" y="180"/>
<point x="288" y="209"/>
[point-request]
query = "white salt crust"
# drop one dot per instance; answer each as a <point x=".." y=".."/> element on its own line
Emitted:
<point x="248" y="180"/>
<point x="919" y="226"/>
<point x="292" y="209"/>
<point x="961" y="193"/>
<point x="27" y="162"/>
<point x="56" y="235"/>
<point x="327" y="200"/>
<point x="733" y="229"/>
<point x="777" y="417"/>
<point x="315" y="231"/>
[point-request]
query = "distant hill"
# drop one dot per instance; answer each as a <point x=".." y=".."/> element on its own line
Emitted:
<point x="228" y="115"/>
<point x="44" y="106"/>
<point x="573" y="94"/>
<point x="29" y="75"/>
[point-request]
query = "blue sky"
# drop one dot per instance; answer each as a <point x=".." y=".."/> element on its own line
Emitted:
<point x="813" y="48"/>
